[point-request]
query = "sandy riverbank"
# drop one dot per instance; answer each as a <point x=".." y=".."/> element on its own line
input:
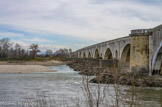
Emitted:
<point x="28" y="66"/>
<point x="24" y="68"/>
<point x="44" y="63"/>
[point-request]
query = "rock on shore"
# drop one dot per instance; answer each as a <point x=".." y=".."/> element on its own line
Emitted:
<point x="124" y="76"/>
<point x="144" y="81"/>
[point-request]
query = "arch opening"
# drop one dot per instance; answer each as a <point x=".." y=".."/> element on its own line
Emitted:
<point x="89" y="55"/>
<point x="161" y="68"/>
<point x="125" y="57"/>
<point x="97" y="56"/>
<point x="116" y="54"/>
<point x="84" y="55"/>
<point x="158" y="63"/>
<point x="101" y="56"/>
<point x="80" y="55"/>
<point x="108" y="54"/>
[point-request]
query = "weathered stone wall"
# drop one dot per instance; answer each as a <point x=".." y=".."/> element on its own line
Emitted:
<point x="97" y="62"/>
<point x="139" y="52"/>
<point x="116" y="47"/>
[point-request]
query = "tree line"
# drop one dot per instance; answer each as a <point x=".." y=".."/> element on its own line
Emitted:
<point x="15" y="50"/>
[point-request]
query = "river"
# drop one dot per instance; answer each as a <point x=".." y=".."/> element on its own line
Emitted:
<point x="64" y="88"/>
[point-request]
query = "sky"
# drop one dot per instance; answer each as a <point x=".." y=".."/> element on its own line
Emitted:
<point x="55" y="24"/>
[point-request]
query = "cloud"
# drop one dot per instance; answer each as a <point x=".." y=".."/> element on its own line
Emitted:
<point x="38" y="40"/>
<point x="88" y="19"/>
<point x="10" y="34"/>
<point x="77" y="45"/>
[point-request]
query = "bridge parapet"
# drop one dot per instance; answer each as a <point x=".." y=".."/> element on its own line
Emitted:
<point x="139" y="32"/>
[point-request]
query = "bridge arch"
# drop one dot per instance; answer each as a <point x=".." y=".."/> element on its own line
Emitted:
<point x="108" y="54"/>
<point x="125" y="56"/>
<point x="89" y="55"/>
<point x="157" y="60"/>
<point x="97" y="56"/>
<point x="80" y="54"/>
<point x="101" y="56"/>
<point x="84" y="55"/>
<point x="116" y="54"/>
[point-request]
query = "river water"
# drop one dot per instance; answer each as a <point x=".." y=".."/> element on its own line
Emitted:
<point x="63" y="88"/>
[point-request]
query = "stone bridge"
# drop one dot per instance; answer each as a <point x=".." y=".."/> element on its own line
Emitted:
<point x="141" y="50"/>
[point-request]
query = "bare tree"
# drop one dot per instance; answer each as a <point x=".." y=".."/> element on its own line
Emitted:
<point x="23" y="54"/>
<point x="62" y="52"/>
<point x="34" y="49"/>
<point x="5" y="44"/>
<point x="49" y="52"/>
<point x="70" y="50"/>
<point x="17" y="50"/>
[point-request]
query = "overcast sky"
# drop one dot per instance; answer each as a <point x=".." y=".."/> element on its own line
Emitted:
<point x="75" y="24"/>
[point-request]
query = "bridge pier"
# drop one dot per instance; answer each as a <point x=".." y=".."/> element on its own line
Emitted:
<point x="139" y="52"/>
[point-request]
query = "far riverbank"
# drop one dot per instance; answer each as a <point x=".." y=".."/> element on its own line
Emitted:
<point x="43" y="63"/>
<point x="17" y="66"/>
<point x="24" y="69"/>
